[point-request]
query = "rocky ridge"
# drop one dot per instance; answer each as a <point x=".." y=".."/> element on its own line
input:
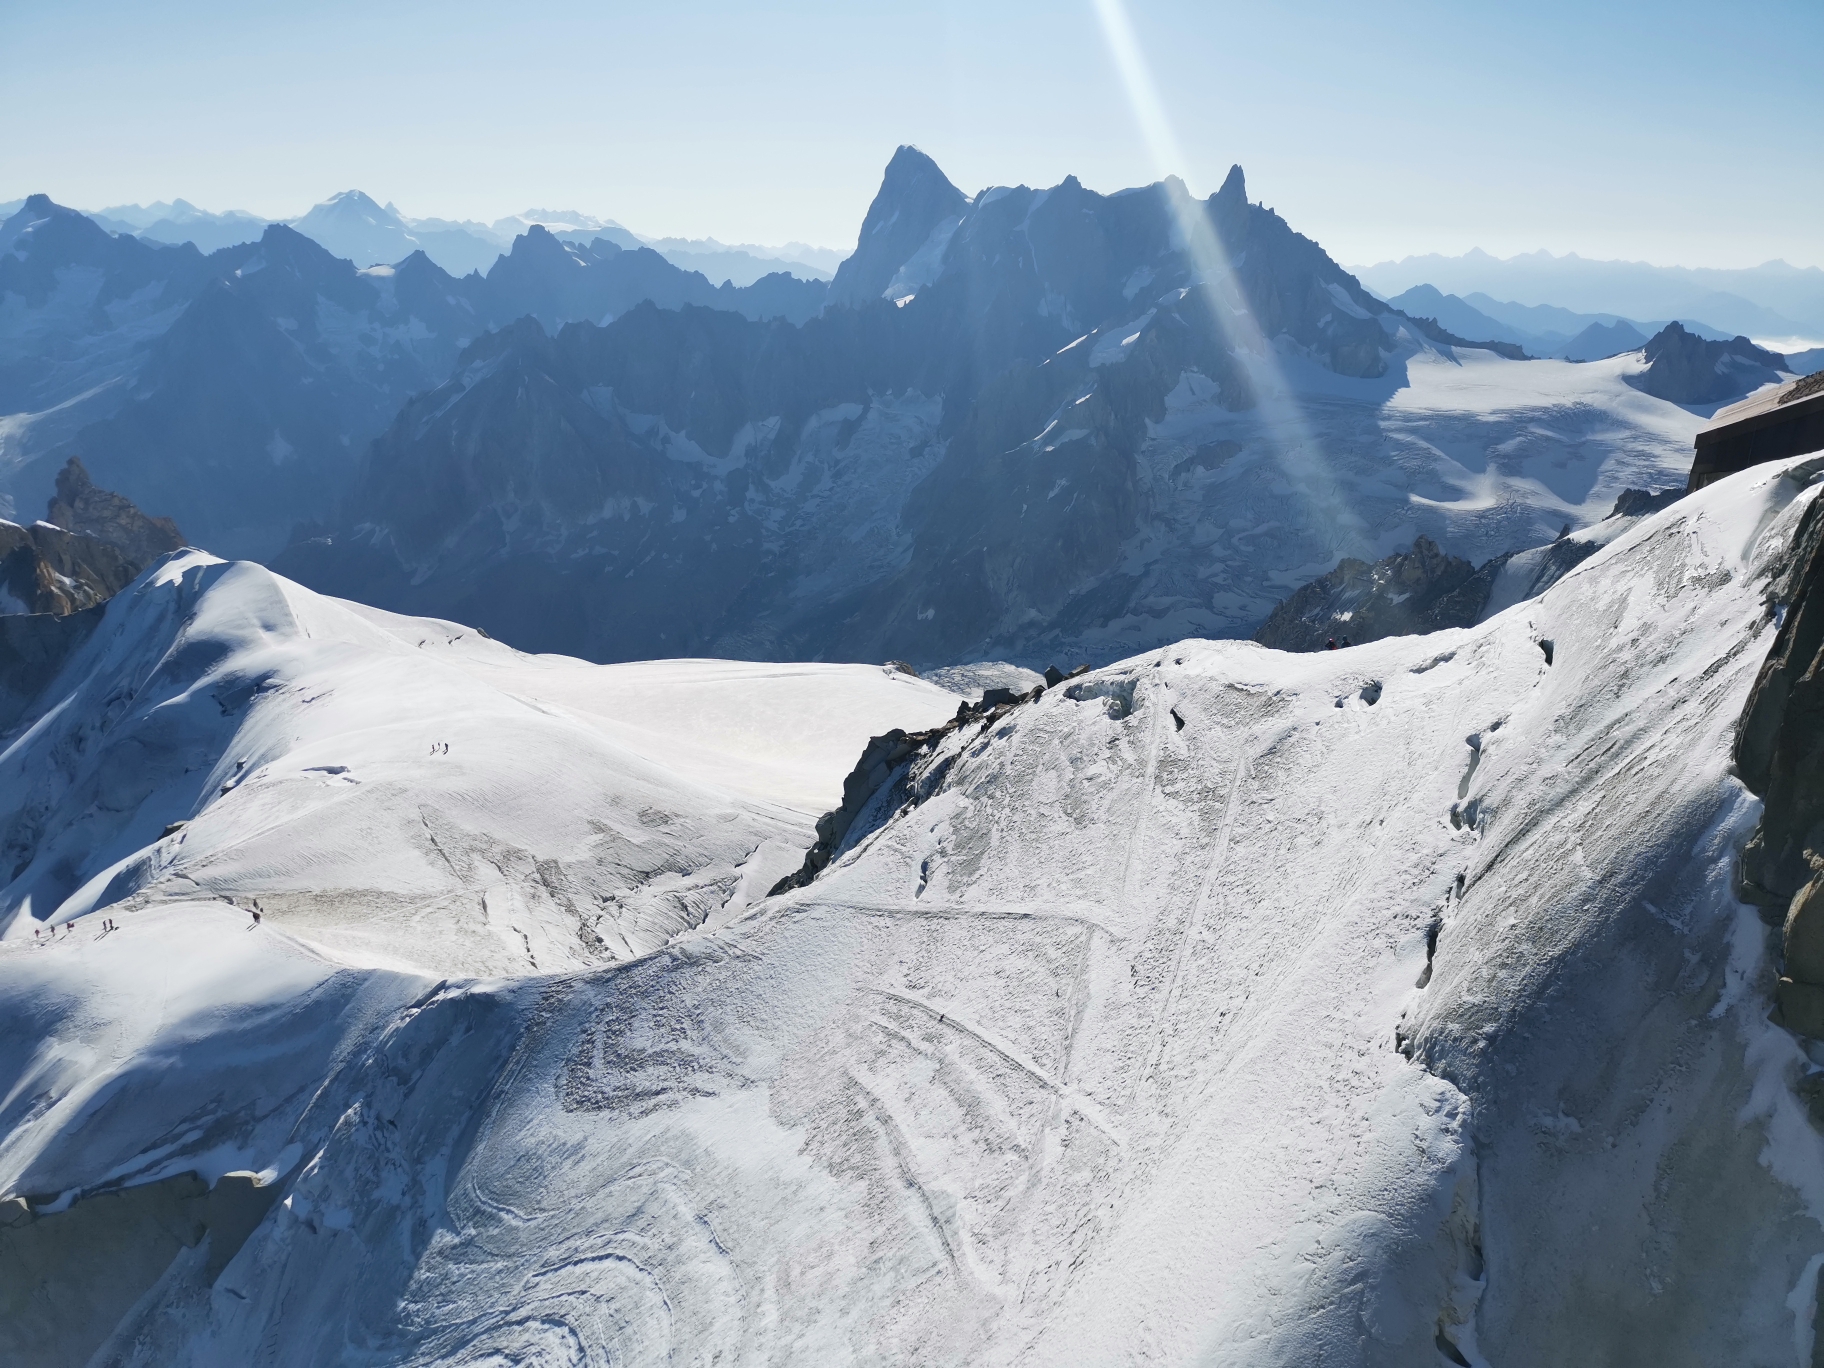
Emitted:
<point x="241" y="387"/>
<point x="1687" y="369"/>
<point x="937" y="472"/>
<point x="1423" y="589"/>
<point x="57" y="575"/>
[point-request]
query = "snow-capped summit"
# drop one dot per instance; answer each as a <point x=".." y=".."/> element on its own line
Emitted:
<point x="351" y="225"/>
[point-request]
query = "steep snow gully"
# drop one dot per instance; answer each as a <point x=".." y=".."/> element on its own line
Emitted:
<point x="1222" y="1006"/>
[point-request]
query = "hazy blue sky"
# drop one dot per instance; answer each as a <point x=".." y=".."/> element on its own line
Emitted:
<point x="1674" y="132"/>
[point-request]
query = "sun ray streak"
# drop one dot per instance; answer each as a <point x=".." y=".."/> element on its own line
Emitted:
<point x="1282" y="423"/>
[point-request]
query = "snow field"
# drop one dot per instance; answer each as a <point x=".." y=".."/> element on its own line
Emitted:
<point x="408" y="794"/>
<point x="1203" y="1011"/>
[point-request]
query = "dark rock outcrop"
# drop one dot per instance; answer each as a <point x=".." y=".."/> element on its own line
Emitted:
<point x="1779" y="756"/>
<point x="1409" y="592"/>
<point x="80" y="506"/>
<point x="68" y="1277"/>
<point x="914" y="198"/>
<point x="1779" y="748"/>
<point x="1686" y="369"/>
<point x="1638" y="503"/>
<point x="44" y="569"/>
<point x="881" y="759"/>
<point x="55" y="580"/>
<point x="33" y="648"/>
<point x="1424" y="590"/>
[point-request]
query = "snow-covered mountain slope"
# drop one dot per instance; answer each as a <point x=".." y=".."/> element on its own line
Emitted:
<point x="1221" y="1007"/>
<point x="406" y="792"/>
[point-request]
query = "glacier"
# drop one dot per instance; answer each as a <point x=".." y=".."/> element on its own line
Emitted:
<point x="1219" y="1006"/>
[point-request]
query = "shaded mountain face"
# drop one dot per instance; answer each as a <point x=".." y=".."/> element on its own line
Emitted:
<point x="1600" y="340"/>
<point x="1687" y="369"/>
<point x="76" y="304"/>
<point x="248" y="413"/>
<point x="951" y="468"/>
<point x="80" y="506"/>
<point x="241" y="388"/>
<point x="1425" y="590"/>
<point x="911" y="218"/>
<point x="1407" y="593"/>
<point x="556" y="281"/>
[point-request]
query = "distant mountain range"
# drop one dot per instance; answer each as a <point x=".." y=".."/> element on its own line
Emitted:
<point x="242" y="387"/>
<point x="1541" y="329"/>
<point x="351" y="224"/>
<point x="1774" y="303"/>
<point x="1022" y="428"/>
<point x="1026" y="424"/>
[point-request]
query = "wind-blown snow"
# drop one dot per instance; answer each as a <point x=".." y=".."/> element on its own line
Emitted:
<point x="1221" y="1007"/>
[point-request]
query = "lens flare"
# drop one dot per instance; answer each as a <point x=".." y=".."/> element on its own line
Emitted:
<point x="1282" y="424"/>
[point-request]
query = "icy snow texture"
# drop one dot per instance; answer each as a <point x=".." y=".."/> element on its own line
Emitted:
<point x="404" y="792"/>
<point x="1313" y="1030"/>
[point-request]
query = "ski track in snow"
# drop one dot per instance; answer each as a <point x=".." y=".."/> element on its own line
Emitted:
<point x="1129" y="1043"/>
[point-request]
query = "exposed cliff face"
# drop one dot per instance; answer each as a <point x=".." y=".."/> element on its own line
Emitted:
<point x="79" y="506"/>
<point x="44" y="569"/>
<point x="915" y="475"/>
<point x="1687" y="369"/>
<point x="1779" y="754"/>
<point x="91" y="547"/>
<point x="1409" y="592"/>
<point x="915" y="201"/>
<point x="1425" y="590"/>
<point x="56" y="576"/>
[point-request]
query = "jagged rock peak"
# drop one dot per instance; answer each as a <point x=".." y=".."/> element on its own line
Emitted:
<point x="910" y="168"/>
<point x="1409" y="592"/>
<point x="1687" y="369"/>
<point x="80" y="506"/>
<point x="283" y="243"/>
<point x="1234" y="186"/>
<point x="915" y="196"/>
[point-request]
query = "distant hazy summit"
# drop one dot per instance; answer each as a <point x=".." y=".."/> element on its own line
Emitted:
<point x="1772" y="301"/>
<point x="352" y="224"/>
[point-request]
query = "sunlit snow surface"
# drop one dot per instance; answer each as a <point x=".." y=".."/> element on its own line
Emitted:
<point x="1119" y="1047"/>
<point x="407" y="793"/>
